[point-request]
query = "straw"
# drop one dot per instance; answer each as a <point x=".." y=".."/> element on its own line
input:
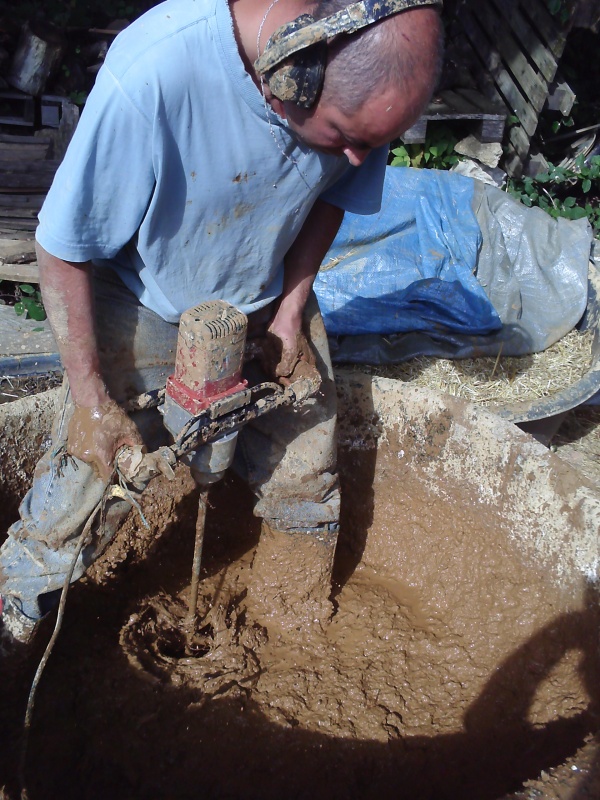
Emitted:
<point x="499" y="380"/>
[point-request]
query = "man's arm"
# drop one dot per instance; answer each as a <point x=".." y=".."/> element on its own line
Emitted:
<point x="99" y="426"/>
<point x="302" y="263"/>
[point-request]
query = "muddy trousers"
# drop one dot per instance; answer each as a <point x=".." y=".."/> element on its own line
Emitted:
<point x="287" y="457"/>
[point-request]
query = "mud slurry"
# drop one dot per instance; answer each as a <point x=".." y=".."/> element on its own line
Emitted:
<point x="354" y="677"/>
<point x="449" y="665"/>
<point x="387" y="665"/>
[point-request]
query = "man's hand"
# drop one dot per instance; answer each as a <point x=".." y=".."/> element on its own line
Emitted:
<point x="287" y="354"/>
<point x="96" y="434"/>
<point x="99" y="427"/>
<point x="289" y="359"/>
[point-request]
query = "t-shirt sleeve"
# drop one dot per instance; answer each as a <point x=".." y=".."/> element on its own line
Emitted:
<point x="104" y="184"/>
<point x="359" y="189"/>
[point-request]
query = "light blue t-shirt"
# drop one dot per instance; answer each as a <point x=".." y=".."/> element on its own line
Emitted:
<point x="176" y="179"/>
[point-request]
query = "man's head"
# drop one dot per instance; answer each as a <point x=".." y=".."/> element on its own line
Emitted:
<point x="377" y="83"/>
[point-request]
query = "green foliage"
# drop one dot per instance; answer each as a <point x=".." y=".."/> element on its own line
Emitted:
<point x="572" y="192"/>
<point x="437" y="152"/>
<point x="563" y="122"/>
<point x="559" y="9"/>
<point x="29" y="302"/>
<point x="78" y="98"/>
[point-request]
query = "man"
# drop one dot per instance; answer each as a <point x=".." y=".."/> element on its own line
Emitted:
<point x="188" y="179"/>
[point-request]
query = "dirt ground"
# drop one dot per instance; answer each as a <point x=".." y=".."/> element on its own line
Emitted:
<point x="129" y="708"/>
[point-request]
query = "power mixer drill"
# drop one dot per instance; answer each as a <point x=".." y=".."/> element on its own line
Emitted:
<point x="206" y="403"/>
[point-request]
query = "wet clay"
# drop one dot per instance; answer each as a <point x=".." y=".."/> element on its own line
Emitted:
<point x="290" y="579"/>
<point x="459" y="661"/>
<point x="400" y="657"/>
<point x="96" y="433"/>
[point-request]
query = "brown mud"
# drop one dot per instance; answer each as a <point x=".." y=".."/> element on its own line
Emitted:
<point x="452" y="666"/>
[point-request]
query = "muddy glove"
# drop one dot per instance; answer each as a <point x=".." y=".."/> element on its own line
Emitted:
<point x="289" y="364"/>
<point x="95" y="434"/>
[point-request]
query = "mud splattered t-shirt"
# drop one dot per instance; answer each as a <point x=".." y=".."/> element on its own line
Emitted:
<point x="174" y="177"/>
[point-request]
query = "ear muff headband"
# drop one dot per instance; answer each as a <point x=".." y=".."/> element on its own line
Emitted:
<point x="300" y="78"/>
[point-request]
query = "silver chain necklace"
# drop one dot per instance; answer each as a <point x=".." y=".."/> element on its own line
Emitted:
<point x="268" y="110"/>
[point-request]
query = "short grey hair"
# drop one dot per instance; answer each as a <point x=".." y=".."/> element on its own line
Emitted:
<point x="363" y="63"/>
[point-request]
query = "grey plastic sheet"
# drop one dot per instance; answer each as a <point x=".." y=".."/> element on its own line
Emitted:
<point x="532" y="268"/>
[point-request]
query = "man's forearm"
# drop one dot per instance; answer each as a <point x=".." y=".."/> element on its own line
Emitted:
<point x="303" y="261"/>
<point x="68" y="299"/>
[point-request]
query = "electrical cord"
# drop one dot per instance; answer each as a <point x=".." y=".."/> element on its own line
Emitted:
<point x="83" y="539"/>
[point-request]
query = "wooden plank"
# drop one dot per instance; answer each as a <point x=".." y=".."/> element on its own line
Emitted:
<point x="546" y="25"/>
<point x="13" y="138"/>
<point x="9" y="232"/>
<point x="416" y="134"/>
<point x="7" y="191"/>
<point x="64" y="134"/>
<point x="21" y="273"/>
<point x="452" y="105"/>
<point x="443" y="111"/>
<point x="487" y="106"/>
<point x="529" y="81"/>
<point x="19" y="165"/>
<point x="33" y="201"/>
<point x="18" y="213"/>
<point x="498" y="101"/>
<point x="32" y="152"/>
<point x="491" y="130"/>
<point x="21" y="182"/>
<point x="20" y="223"/>
<point x="8" y="120"/>
<point x="454" y="101"/>
<point x="503" y="82"/>
<point x="518" y="144"/>
<point x="519" y="139"/>
<point x="24" y="224"/>
<point x="528" y="37"/>
<point x="17" y="251"/>
<point x="513" y="163"/>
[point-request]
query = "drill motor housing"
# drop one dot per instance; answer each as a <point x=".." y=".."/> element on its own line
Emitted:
<point x="208" y="375"/>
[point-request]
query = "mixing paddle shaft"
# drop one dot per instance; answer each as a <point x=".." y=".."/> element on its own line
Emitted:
<point x="198" y="542"/>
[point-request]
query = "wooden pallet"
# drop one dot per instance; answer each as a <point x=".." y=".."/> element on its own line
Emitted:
<point x="27" y="168"/>
<point x="16" y="108"/>
<point x="511" y="50"/>
<point x="488" y="117"/>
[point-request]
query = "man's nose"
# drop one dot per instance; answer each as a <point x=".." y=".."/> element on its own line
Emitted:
<point x="356" y="155"/>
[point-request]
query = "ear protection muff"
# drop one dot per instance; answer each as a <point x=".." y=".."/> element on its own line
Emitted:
<point x="294" y="59"/>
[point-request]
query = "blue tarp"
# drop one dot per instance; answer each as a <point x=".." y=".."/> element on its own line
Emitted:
<point x="411" y="266"/>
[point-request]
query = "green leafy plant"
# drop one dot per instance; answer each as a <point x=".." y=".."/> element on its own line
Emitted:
<point x="559" y="9"/>
<point x="436" y="152"/>
<point x="79" y="98"/>
<point x="29" y="302"/>
<point x="572" y="192"/>
<point x="563" y="122"/>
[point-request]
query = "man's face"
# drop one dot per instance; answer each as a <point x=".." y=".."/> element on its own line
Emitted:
<point x="329" y="130"/>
